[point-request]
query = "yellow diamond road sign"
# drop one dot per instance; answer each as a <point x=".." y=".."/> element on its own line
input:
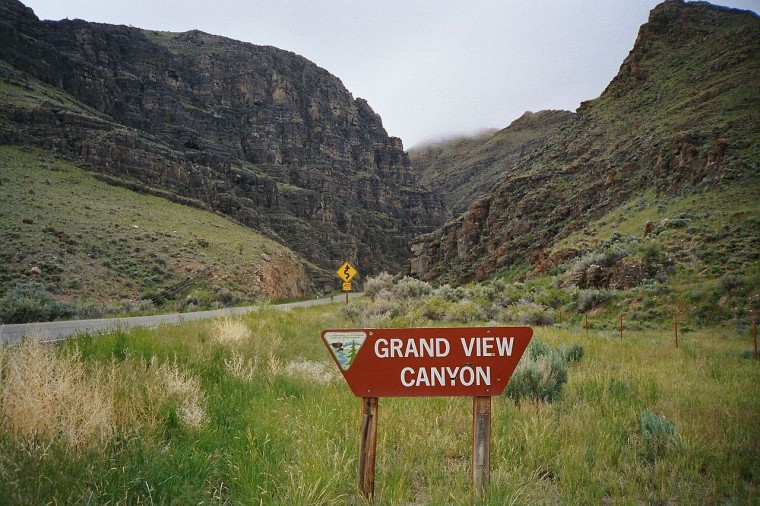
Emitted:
<point x="346" y="272"/>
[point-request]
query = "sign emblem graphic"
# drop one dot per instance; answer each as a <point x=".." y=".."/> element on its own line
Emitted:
<point x="345" y="345"/>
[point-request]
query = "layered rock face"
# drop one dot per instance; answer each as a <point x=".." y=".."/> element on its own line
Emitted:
<point x="257" y="133"/>
<point x="682" y="112"/>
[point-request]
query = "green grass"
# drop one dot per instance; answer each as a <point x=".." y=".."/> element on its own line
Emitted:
<point x="101" y="243"/>
<point x="287" y="433"/>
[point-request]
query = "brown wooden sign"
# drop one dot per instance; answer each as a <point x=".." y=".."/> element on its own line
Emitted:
<point x="428" y="362"/>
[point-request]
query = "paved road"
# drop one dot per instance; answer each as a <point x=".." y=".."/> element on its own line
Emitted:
<point x="61" y="330"/>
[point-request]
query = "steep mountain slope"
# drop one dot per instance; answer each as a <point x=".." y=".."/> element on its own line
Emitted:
<point x="680" y="118"/>
<point x="464" y="169"/>
<point x="96" y="244"/>
<point x="259" y="134"/>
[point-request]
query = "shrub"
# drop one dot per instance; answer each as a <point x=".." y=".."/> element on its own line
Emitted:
<point x="710" y="313"/>
<point x="678" y="223"/>
<point x="537" y="348"/>
<point x="538" y="379"/>
<point x="94" y="310"/>
<point x="376" y="285"/>
<point x="352" y="311"/>
<point x="589" y="299"/>
<point x="411" y="288"/>
<point x="609" y="256"/>
<point x="375" y="311"/>
<point x="464" y="312"/>
<point x="448" y="293"/>
<point x="433" y="308"/>
<point x="694" y="295"/>
<point x="651" y="288"/>
<point x="91" y="310"/>
<point x="553" y="297"/>
<point x="226" y="297"/>
<point x="542" y="372"/>
<point x="651" y="254"/>
<point x="658" y="435"/>
<point x="485" y="291"/>
<point x="31" y="302"/>
<point x="498" y="284"/>
<point x="515" y="292"/>
<point x="573" y="353"/>
<point x="729" y="283"/>
<point x="528" y="314"/>
<point x="140" y="306"/>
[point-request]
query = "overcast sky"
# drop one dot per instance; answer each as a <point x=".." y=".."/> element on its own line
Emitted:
<point x="430" y="68"/>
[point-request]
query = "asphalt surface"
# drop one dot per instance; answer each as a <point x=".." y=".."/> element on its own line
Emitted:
<point x="61" y="330"/>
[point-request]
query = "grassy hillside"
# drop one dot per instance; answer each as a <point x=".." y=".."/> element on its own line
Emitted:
<point x="464" y="169"/>
<point x="672" y="146"/>
<point x="256" y="133"/>
<point x="701" y="255"/>
<point x="89" y="241"/>
<point x="254" y="410"/>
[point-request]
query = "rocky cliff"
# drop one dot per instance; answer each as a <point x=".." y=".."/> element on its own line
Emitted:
<point x="682" y="113"/>
<point x="256" y="133"/>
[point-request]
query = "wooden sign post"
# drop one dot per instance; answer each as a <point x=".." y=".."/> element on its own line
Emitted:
<point x="368" y="447"/>
<point x="621" y="327"/>
<point x="474" y="362"/>
<point x="481" y="445"/>
<point x="675" y="328"/>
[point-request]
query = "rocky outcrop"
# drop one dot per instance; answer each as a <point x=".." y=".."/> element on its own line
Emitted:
<point x="257" y="133"/>
<point x="682" y="112"/>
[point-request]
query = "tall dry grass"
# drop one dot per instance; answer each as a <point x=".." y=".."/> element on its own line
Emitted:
<point x="257" y="339"/>
<point x="240" y="367"/>
<point x="146" y="390"/>
<point x="171" y="383"/>
<point x="49" y="396"/>
<point x="229" y="331"/>
<point x="311" y="371"/>
<point x="254" y="336"/>
<point x="44" y="395"/>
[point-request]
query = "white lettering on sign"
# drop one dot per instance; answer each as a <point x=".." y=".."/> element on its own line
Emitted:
<point x="445" y="376"/>
<point x="417" y="348"/>
<point x="484" y="346"/>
